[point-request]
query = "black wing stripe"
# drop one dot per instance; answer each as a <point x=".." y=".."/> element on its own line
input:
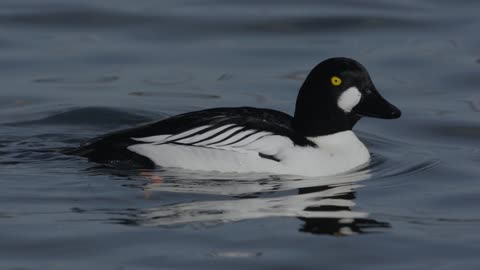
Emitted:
<point x="215" y="135"/>
<point x="175" y="137"/>
<point x="229" y="136"/>
<point x="241" y="139"/>
<point x="200" y="132"/>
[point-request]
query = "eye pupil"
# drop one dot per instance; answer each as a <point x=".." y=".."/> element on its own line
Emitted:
<point x="336" y="81"/>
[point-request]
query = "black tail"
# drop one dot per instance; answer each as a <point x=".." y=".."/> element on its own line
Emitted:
<point x="111" y="153"/>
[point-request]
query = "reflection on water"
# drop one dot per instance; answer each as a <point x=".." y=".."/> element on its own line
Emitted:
<point x="324" y="209"/>
<point x="337" y="226"/>
<point x="325" y="205"/>
<point x="247" y="208"/>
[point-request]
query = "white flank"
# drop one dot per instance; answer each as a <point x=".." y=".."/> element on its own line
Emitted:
<point x="349" y="99"/>
<point x="271" y="145"/>
<point x="335" y="153"/>
<point x="206" y="159"/>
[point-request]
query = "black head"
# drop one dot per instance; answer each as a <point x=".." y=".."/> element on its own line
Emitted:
<point x="335" y="95"/>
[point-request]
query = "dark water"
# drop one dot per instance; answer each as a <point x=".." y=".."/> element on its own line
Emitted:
<point x="71" y="70"/>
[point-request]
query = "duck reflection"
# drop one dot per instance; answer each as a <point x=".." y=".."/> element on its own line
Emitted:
<point x="337" y="226"/>
<point x="326" y="206"/>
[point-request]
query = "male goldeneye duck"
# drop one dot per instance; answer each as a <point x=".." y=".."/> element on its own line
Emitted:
<point x="317" y="141"/>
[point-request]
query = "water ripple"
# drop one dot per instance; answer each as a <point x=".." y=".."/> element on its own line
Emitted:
<point x="93" y="116"/>
<point x="324" y="204"/>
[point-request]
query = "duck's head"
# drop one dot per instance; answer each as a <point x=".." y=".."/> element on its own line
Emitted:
<point x="335" y="95"/>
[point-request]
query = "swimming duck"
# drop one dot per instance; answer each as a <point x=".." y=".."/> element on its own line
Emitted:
<point x="317" y="141"/>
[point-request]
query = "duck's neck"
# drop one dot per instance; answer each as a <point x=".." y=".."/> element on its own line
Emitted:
<point x="313" y="120"/>
<point x="342" y="139"/>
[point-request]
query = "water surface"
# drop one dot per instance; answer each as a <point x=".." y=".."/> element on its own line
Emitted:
<point x="71" y="71"/>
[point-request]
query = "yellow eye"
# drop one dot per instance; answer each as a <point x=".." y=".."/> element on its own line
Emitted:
<point x="336" y="81"/>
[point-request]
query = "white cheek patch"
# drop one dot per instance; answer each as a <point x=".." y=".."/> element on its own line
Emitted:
<point x="349" y="99"/>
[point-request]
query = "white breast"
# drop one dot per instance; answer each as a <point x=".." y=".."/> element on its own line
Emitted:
<point x="335" y="154"/>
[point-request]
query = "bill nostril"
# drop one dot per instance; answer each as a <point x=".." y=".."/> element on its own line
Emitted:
<point x="396" y="114"/>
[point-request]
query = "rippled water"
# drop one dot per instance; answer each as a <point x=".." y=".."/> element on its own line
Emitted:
<point x="72" y="70"/>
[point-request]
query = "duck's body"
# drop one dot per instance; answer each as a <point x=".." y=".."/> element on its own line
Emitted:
<point x="318" y="140"/>
<point x="332" y="155"/>
<point x="229" y="140"/>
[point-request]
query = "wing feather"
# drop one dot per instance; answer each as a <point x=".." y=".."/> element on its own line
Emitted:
<point x="238" y="137"/>
<point x="206" y="135"/>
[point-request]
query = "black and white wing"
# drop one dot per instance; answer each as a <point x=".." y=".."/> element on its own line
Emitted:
<point x="241" y="130"/>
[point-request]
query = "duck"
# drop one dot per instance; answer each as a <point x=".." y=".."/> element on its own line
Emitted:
<point x="317" y="140"/>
